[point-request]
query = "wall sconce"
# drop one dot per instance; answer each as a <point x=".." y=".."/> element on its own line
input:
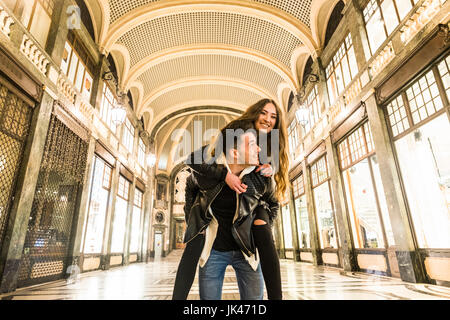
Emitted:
<point x="118" y="112"/>
<point x="302" y="115"/>
<point x="151" y="160"/>
<point x="302" y="112"/>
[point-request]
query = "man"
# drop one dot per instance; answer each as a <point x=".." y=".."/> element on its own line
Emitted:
<point x="225" y="218"/>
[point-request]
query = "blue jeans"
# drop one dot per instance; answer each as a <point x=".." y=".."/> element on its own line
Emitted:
<point x="211" y="276"/>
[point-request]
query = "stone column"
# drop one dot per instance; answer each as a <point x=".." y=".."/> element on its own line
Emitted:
<point x="79" y="223"/>
<point x="346" y="251"/>
<point x="410" y="265"/>
<point x="313" y="230"/>
<point x="16" y="231"/>
<point x="110" y="216"/>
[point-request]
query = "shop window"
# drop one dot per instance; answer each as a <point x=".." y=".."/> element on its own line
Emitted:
<point x="287" y="228"/>
<point x="444" y="71"/>
<point x="423" y="152"/>
<point x="136" y="221"/>
<point x="314" y="106"/>
<point x="108" y="103"/>
<point x="319" y="171"/>
<point x="141" y="153"/>
<point x="98" y="205"/>
<point x="301" y="213"/>
<point x="423" y="98"/>
<point x="128" y="135"/>
<point x="323" y="204"/>
<point x="77" y="66"/>
<point x="397" y="116"/>
<point x="120" y="216"/>
<point x="423" y="158"/>
<point x="382" y="17"/>
<point x="419" y="100"/>
<point x="341" y="70"/>
<point x="363" y="190"/>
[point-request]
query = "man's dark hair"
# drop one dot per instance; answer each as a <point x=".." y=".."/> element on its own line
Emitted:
<point x="231" y="134"/>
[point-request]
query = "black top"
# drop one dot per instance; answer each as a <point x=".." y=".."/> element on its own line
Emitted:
<point x="224" y="209"/>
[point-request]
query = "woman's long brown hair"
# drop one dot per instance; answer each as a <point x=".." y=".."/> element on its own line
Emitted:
<point x="281" y="176"/>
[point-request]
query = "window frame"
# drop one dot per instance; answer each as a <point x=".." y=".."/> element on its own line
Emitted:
<point x="379" y="7"/>
<point x="336" y="64"/>
<point x="128" y="135"/>
<point x="86" y="72"/>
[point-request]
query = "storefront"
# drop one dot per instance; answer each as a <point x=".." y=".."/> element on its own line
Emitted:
<point x="325" y="212"/>
<point x="47" y="251"/>
<point x="287" y="231"/>
<point x="366" y="205"/>
<point x="16" y="109"/>
<point x="100" y="193"/>
<point x="136" y="224"/>
<point x="119" y="224"/>
<point x="302" y="219"/>
<point x="418" y="120"/>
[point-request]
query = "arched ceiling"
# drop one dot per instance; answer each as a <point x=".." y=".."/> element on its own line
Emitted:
<point x="178" y="54"/>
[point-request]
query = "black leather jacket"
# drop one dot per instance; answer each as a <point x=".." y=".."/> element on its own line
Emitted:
<point x="201" y="190"/>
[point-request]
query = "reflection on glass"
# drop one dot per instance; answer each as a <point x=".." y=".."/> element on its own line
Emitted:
<point x="287" y="229"/>
<point x="303" y="222"/>
<point x="362" y="205"/>
<point x="97" y="208"/>
<point x="119" y="225"/>
<point x="325" y="216"/>
<point x="136" y="222"/>
<point x="424" y="162"/>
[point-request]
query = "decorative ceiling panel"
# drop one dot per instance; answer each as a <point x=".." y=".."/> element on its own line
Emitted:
<point x="211" y="65"/>
<point x="203" y="92"/>
<point x="209" y="28"/>
<point x="300" y="9"/>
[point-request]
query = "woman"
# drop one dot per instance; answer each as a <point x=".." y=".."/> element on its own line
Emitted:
<point x="266" y="116"/>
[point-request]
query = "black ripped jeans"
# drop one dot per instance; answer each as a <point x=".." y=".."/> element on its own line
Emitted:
<point x="270" y="263"/>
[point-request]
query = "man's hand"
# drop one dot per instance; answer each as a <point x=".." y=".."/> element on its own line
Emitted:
<point x="235" y="183"/>
<point x="266" y="170"/>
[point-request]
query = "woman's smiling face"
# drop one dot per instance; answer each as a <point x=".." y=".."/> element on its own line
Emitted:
<point x="267" y="118"/>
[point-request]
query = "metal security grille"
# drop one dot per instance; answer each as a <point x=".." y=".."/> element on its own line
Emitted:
<point x="15" y="117"/>
<point x="47" y="244"/>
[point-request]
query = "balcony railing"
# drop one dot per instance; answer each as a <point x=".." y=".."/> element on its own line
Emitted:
<point x="32" y="51"/>
<point x="5" y="22"/>
<point x="422" y="15"/>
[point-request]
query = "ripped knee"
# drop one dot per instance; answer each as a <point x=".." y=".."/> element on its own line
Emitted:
<point x="259" y="222"/>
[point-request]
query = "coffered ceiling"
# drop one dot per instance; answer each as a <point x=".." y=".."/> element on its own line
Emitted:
<point x="180" y="54"/>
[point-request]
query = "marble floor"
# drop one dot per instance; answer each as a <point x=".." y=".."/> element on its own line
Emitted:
<point x="301" y="281"/>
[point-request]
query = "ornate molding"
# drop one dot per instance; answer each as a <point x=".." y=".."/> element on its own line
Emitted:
<point x="31" y="50"/>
